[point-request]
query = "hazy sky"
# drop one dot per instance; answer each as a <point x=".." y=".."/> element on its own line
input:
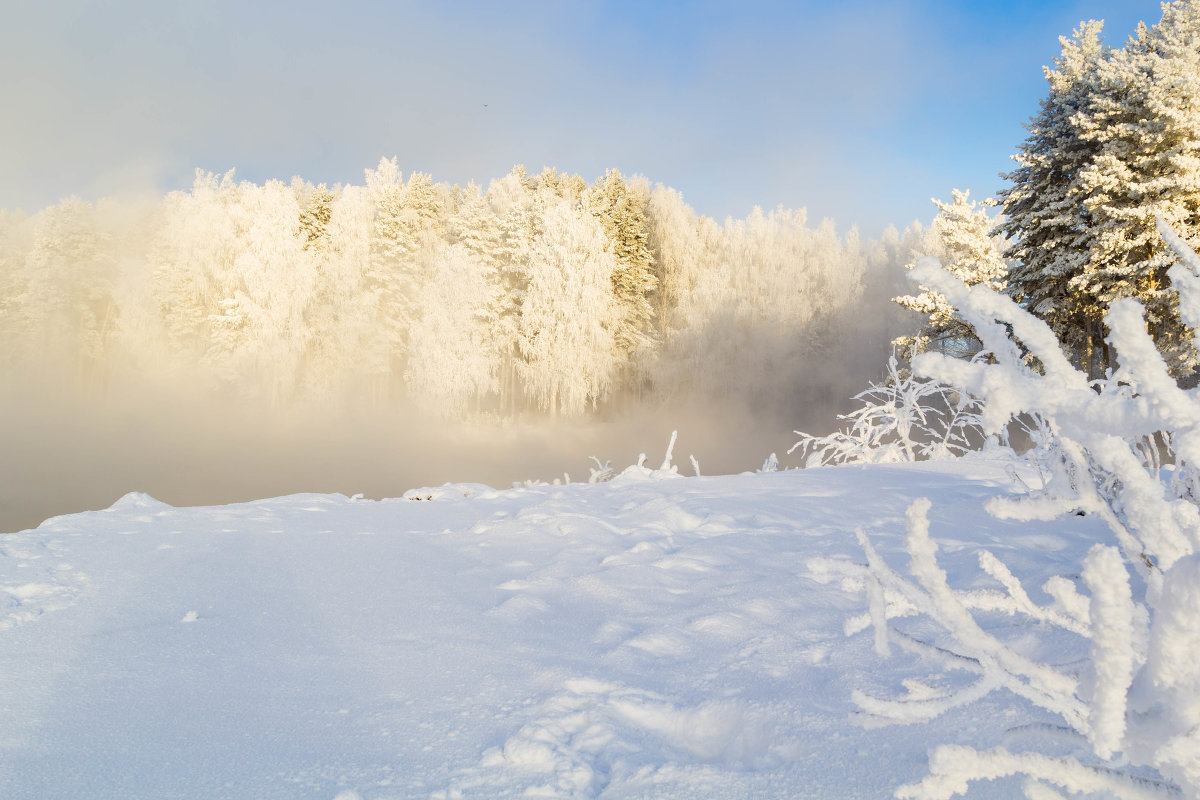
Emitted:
<point x="860" y="111"/>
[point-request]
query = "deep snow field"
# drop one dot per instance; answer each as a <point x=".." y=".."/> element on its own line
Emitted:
<point x="654" y="636"/>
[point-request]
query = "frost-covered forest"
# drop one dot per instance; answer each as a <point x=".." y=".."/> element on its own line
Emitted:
<point x="541" y="295"/>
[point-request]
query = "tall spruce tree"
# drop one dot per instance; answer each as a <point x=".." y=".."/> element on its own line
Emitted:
<point x="1144" y="121"/>
<point x="1048" y="227"/>
<point x="1117" y="141"/>
<point x="622" y="212"/>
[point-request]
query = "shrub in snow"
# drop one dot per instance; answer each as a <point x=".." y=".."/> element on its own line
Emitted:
<point x="1134" y="707"/>
<point x="904" y="418"/>
<point x="605" y="472"/>
<point x="601" y="473"/>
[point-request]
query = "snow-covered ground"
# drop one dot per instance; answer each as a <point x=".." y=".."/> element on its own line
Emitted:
<point x="642" y="638"/>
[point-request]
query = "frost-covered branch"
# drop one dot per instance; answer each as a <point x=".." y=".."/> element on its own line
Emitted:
<point x="1124" y="448"/>
<point x="904" y="418"/>
<point x="952" y="769"/>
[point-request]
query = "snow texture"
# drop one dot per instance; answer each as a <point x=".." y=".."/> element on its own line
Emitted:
<point x="639" y="637"/>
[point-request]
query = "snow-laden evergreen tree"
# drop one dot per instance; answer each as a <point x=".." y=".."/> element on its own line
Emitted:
<point x="424" y="205"/>
<point x="316" y="207"/>
<point x="1117" y="141"/>
<point x="964" y="241"/>
<point x="1143" y="121"/>
<point x="621" y="209"/>
<point x="1048" y="228"/>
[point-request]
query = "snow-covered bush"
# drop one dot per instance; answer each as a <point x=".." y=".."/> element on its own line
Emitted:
<point x="1134" y="706"/>
<point x="603" y="473"/>
<point x="904" y="418"/>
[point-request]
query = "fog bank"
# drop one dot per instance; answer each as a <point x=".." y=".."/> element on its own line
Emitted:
<point x="237" y="341"/>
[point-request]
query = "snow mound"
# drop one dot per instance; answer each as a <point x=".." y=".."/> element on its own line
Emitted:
<point x="139" y="501"/>
<point x="449" y="491"/>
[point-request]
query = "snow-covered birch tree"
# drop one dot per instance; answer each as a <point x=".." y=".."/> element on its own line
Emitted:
<point x="567" y="333"/>
<point x="453" y="365"/>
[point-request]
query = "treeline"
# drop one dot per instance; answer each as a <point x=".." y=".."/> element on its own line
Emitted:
<point x="541" y="294"/>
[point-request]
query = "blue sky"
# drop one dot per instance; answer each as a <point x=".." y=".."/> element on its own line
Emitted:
<point x="857" y="111"/>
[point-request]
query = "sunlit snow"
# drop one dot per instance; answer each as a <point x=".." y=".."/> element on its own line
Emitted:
<point x="653" y="636"/>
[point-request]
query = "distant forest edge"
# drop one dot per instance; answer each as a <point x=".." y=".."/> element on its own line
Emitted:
<point x="541" y="295"/>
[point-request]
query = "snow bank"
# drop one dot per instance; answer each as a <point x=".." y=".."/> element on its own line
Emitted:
<point x="637" y="638"/>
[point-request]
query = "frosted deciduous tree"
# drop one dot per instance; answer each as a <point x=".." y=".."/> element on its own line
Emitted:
<point x="767" y="295"/>
<point x="453" y="365"/>
<point x="512" y="200"/>
<point x="346" y="351"/>
<point x="67" y="310"/>
<point x="15" y="236"/>
<point x="281" y="277"/>
<point x="675" y="245"/>
<point x="567" y="333"/>
<point x="186" y="256"/>
<point x="233" y="282"/>
<point x="404" y="215"/>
